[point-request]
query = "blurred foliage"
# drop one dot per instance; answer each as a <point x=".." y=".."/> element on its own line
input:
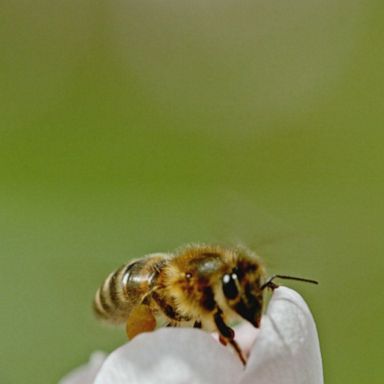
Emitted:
<point x="131" y="127"/>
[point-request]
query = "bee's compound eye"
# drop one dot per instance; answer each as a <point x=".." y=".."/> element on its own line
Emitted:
<point x="188" y="275"/>
<point x="229" y="286"/>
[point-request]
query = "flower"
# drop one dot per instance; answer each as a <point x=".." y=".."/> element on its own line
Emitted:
<point x="85" y="374"/>
<point x="285" y="350"/>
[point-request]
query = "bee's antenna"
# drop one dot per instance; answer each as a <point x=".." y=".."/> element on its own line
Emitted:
<point x="270" y="284"/>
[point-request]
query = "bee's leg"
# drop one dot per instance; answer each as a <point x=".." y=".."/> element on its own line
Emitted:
<point x="173" y="324"/>
<point x="238" y="351"/>
<point x="197" y="324"/>
<point x="140" y="320"/>
<point x="227" y="335"/>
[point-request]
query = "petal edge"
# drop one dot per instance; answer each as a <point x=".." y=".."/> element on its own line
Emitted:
<point x="286" y="350"/>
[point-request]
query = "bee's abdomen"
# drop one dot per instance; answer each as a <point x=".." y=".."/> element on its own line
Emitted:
<point x="109" y="302"/>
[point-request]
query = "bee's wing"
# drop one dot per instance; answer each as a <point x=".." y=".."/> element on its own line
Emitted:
<point x="139" y="277"/>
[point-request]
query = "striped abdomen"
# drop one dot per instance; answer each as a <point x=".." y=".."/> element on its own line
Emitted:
<point x="127" y="287"/>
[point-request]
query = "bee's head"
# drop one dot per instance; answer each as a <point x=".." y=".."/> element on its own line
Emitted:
<point x="242" y="290"/>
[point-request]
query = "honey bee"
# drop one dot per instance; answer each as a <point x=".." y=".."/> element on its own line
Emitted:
<point x="200" y="286"/>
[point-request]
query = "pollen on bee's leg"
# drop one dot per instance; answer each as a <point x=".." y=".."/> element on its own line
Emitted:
<point x="140" y="320"/>
<point x="223" y="340"/>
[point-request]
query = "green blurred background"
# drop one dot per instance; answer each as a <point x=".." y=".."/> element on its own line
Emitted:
<point x="136" y="126"/>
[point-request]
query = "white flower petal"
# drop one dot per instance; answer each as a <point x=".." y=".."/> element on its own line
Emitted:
<point x="286" y="350"/>
<point x="85" y="374"/>
<point x="245" y="335"/>
<point x="171" y="356"/>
